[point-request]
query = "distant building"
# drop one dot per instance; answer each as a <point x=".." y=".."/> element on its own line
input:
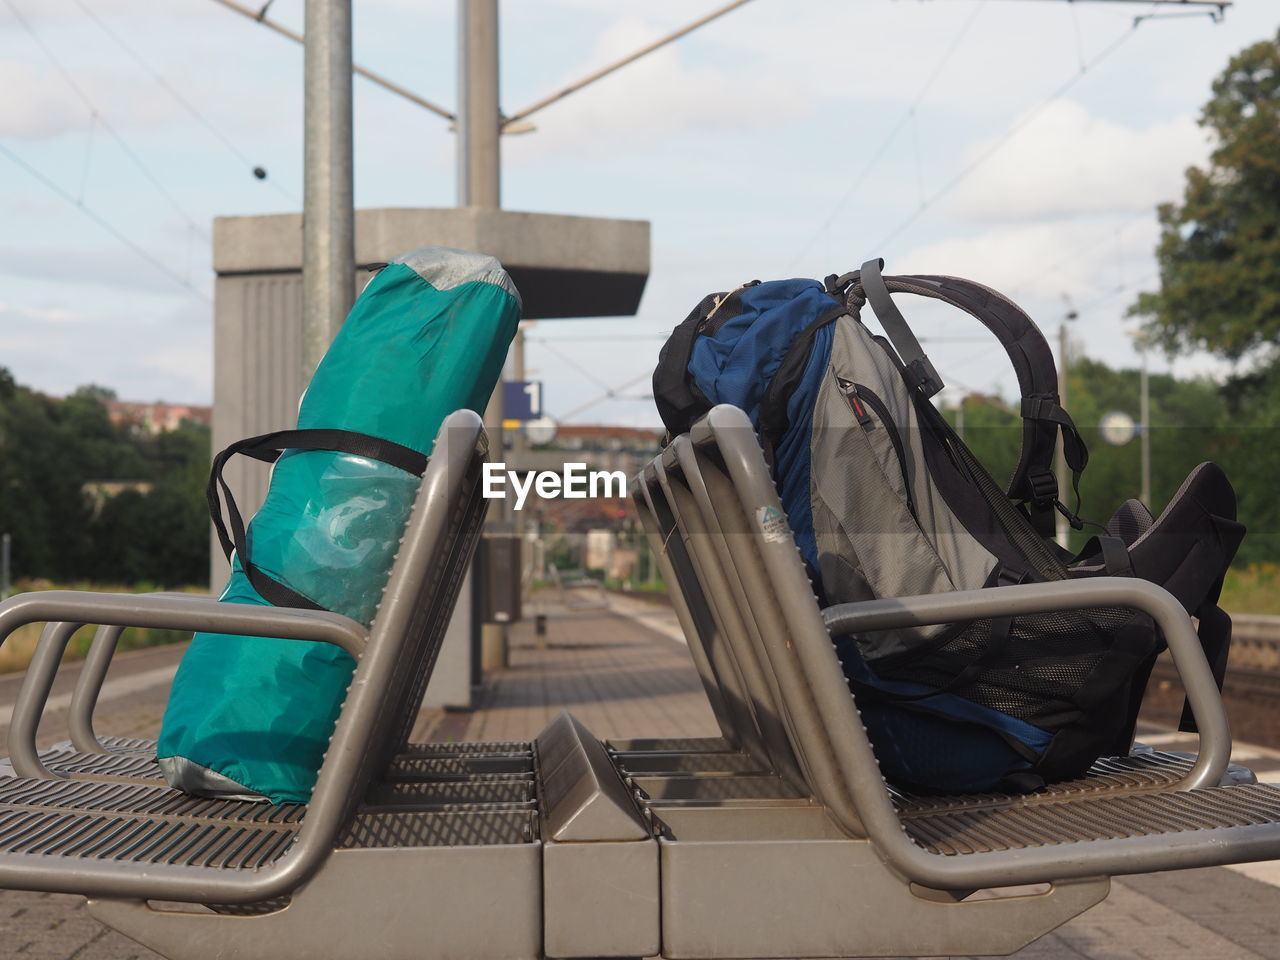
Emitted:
<point x="158" y="417"/>
<point x="606" y="447"/>
<point x="600" y="447"/>
<point x="100" y="491"/>
<point x="598" y="533"/>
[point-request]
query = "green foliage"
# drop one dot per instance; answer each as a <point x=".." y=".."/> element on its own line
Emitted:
<point x="1250" y="453"/>
<point x="51" y="449"/>
<point x="1252" y="589"/>
<point x="1219" y="250"/>
<point x="1191" y="421"/>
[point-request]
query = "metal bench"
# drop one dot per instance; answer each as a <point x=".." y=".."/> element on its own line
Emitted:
<point x="796" y="848"/>
<point x="862" y="869"/>
<point x="271" y="879"/>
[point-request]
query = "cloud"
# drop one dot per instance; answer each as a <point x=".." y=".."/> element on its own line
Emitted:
<point x="167" y="355"/>
<point x="40" y="104"/>
<point x="653" y="100"/>
<point x="48" y="12"/>
<point x="1084" y="257"/>
<point x="1067" y="162"/>
<point x="37" y="103"/>
<point x="113" y="267"/>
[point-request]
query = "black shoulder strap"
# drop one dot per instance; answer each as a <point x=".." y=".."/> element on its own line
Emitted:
<point x="920" y="373"/>
<point x="677" y="397"/>
<point x="1214" y="631"/>
<point x="268" y="448"/>
<point x="1033" y="480"/>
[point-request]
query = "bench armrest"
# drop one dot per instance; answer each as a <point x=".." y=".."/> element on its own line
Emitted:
<point x="1172" y="619"/>
<point x="65" y="611"/>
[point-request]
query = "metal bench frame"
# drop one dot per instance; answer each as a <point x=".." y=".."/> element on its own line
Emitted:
<point x="861" y="833"/>
<point x="394" y="659"/>
<point x="807" y="854"/>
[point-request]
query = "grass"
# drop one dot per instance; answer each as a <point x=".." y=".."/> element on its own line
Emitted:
<point x="1253" y="589"/>
<point x="16" y="651"/>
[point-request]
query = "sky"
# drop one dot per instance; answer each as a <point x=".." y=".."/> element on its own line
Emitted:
<point x="1021" y="143"/>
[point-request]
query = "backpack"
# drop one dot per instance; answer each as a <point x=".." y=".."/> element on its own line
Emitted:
<point x="885" y="500"/>
<point x="251" y="717"/>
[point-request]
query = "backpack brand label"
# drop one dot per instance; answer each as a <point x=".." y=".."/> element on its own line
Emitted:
<point x="773" y="524"/>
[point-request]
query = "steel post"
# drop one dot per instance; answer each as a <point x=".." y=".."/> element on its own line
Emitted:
<point x="479" y="185"/>
<point x="328" y="223"/>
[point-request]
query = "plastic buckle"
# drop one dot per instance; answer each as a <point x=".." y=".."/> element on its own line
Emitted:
<point x="1044" y="488"/>
<point x="924" y="377"/>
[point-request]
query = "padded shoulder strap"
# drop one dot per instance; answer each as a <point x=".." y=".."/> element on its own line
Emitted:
<point x="677" y="397"/>
<point x="268" y="448"/>
<point x="1033" y="479"/>
<point x="921" y="376"/>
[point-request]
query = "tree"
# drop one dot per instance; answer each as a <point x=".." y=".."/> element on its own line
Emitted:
<point x="1219" y="250"/>
<point x="50" y="449"/>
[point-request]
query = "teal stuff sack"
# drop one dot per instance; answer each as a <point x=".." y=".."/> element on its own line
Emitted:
<point x="251" y="717"/>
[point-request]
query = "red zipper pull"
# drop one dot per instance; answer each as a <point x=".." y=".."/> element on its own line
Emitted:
<point x="859" y="411"/>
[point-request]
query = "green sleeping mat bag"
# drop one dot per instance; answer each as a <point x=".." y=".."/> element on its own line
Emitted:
<point x="251" y="717"/>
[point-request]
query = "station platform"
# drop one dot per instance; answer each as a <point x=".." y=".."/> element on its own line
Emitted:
<point x="623" y="670"/>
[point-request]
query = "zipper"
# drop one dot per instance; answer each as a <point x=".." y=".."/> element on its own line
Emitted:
<point x="860" y="398"/>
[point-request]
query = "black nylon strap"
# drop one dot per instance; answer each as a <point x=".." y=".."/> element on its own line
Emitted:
<point x="1115" y="556"/>
<point x="920" y="370"/>
<point x="1215" y="637"/>
<point x="1022" y="340"/>
<point x="773" y="405"/>
<point x="677" y="397"/>
<point x="267" y="448"/>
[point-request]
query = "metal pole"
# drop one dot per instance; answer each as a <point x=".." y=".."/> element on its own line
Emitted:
<point x="479" y="185"/>
<point x="328" y="218"/>
<point x="1144" y="437"/>
<point x="479" y="119"/>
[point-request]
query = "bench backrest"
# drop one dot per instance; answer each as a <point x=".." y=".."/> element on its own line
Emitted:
<point x="413" y="615"/>
<point x="710" y="580"/>
<point x="723" y="523"/>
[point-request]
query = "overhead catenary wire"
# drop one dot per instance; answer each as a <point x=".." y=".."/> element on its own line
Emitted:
<point x="619" y="64"/>
<point x="1093" y="242"/>
<point x="1020" y="125"/>
<point x="260" y="16"/>
<point x="578" y="367"/>
<point x="182" y="101"/>
<point x="96" y="113"/>
<point x="610" y="394"/>
<point x="105" y="224"/>
<point x="878" y="154"/>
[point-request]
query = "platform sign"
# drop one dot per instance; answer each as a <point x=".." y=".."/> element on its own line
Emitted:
<point x="521" y="400"/>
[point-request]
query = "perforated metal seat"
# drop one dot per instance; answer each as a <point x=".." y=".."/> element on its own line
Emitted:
<point x="1004" y="823"/>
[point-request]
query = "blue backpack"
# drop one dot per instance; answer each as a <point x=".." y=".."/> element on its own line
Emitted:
<point x="885" y="500"/>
